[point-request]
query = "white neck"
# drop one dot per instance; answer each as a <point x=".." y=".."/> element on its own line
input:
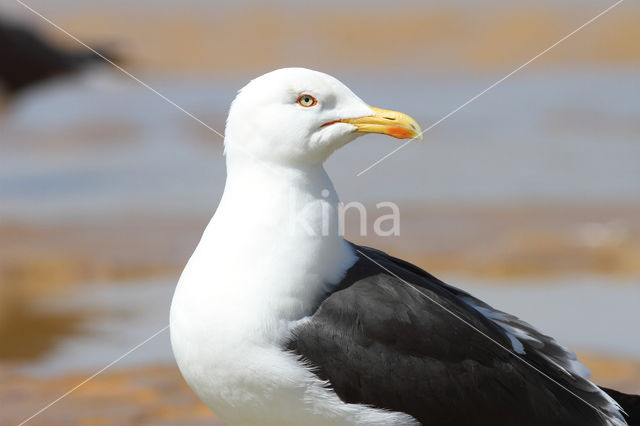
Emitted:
<point x="269" y="254"/>
<point x="298" y="200"/>
<point x="283" y="221"/>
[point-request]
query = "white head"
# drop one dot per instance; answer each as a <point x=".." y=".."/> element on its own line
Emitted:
<point x="297" y="116"/>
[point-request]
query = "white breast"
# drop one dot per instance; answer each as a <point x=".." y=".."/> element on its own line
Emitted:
<point x="251" y="279"/>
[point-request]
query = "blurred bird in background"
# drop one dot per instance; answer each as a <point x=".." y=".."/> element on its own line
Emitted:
<point x="30" y="58"/>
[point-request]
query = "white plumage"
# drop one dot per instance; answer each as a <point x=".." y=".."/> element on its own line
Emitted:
<point x="267" y="255"/>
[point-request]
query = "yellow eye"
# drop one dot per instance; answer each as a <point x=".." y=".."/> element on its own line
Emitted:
<point x="307" y="101"/>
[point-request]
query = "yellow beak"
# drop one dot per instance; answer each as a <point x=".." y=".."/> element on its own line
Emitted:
<point x="392" y="123"/>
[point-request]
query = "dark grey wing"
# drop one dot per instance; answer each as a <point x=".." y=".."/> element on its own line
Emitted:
<point x="383" y="337"/>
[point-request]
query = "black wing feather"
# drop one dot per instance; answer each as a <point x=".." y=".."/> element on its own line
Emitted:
<point x="380" y="339"/>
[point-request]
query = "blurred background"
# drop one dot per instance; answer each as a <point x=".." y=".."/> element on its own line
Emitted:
<point x="529" y="197"/>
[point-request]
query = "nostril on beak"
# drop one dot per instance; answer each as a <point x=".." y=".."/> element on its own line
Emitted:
<point x="389" y="118"/>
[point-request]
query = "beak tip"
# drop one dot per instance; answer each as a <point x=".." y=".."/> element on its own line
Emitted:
<point x="418" y="132"/>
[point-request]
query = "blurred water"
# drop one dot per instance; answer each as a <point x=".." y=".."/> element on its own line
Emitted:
<point x="594" y="314"/>
<point x="580" y="312"/>
<point x="107" y="146"/>
<point x="115" y="318"/>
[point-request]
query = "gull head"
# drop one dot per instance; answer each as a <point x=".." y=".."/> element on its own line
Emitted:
<point x="296" y="116"/>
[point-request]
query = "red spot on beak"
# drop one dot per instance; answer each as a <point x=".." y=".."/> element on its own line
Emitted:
<point x="399" y="132"/>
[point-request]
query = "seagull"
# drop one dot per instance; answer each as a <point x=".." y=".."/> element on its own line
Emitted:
<point x="278" y="320"/>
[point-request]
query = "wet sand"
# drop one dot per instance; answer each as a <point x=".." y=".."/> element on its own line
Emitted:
<point x="144" y="396"/>
<point x="492" y="241"/>
<point x="505" y="243"/>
